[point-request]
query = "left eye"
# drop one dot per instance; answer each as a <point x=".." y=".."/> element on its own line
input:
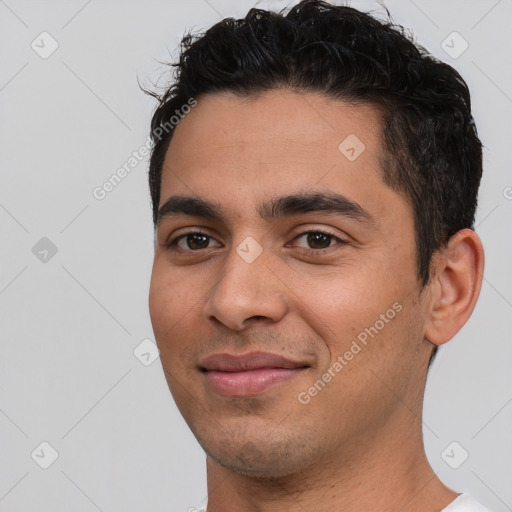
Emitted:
<point x="318" y="240"/>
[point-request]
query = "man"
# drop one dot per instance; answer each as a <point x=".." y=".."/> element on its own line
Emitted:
<point x="314" y="179"/>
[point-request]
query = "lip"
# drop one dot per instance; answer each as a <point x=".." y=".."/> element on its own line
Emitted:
<point x="248" y="374"/>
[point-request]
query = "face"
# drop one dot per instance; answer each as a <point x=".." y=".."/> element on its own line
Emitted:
<point x="284" y="296"/>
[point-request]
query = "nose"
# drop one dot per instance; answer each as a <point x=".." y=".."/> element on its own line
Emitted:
<point x="246" y="291"/>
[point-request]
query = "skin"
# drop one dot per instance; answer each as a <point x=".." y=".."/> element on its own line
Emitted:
<point x="358" y="441"/>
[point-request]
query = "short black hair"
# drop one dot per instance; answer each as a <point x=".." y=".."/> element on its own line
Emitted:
<point x="431" y="151"/>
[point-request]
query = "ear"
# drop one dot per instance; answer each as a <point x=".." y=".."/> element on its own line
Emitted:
<point x="457" y="275"/>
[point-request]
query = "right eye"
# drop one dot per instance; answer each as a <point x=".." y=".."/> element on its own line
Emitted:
<point x="193" y="241"/>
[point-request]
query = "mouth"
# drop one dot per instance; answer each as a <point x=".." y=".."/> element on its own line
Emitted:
<point x="249" y="374"/>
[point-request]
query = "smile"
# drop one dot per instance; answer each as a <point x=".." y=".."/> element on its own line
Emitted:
<point x="249" y="374"/>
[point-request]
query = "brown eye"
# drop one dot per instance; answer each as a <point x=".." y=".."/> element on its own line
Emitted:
<point x="190" y="242"/>
<point x="196" y="241"/>
<point x="318" y="240"/>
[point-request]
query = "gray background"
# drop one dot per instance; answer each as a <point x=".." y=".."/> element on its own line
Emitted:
<point x="72" y="320"/>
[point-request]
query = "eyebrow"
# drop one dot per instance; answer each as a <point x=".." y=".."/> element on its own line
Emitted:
<point x="272" y="209"/>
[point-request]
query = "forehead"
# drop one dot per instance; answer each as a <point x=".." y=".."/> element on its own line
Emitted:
<point x="282" y="123"/>
<point x="246" y="148"/>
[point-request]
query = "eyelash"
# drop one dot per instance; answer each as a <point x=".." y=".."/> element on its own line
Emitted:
<point x="173" y="243"/>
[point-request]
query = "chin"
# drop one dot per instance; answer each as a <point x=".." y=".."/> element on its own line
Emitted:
<point x="270" y="469"/>
<point x="262" y="458"/>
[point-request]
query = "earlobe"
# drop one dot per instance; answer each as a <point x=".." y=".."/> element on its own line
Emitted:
<point x="457" y="279"/>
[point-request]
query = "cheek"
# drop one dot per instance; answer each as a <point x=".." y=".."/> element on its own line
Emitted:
<point x="357" y="314"/>
<point x="169" y="299"/>
<point x="343" y="301"/>
<point x="161" y="302"/>
<point x="175" y="311"/>
<point x="169" y="304"/>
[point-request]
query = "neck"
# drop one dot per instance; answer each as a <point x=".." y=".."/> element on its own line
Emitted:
<point x="389" y="469"/>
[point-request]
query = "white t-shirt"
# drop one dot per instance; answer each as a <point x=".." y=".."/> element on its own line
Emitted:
<point x="465" y="503"/>
<point x="462" y="503"/>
